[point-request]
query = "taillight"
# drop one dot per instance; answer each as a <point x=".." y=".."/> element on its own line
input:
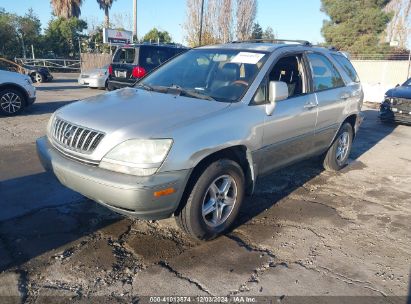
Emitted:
<point x="110" y="69"/>
<point x="138" y="72"/>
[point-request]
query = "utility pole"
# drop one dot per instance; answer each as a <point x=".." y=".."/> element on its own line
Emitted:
<point x="135" y="19"/>
<point x="409" y="65"/>
<point x="201" y="23"/>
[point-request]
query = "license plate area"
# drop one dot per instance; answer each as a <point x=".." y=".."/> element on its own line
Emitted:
<point x="122" y="74"/>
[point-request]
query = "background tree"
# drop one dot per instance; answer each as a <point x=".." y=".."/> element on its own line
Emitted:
<point x="155" y="35"/>
<point x="17" y="34"/>
<point x="192" y="24"/>
<point x="10" y="44"/>
<point x="269" y="33"/>
<point x="399" y="28"/>
<point x="62" y="36"/>
<point x="219" y="21"/>
<point x="106" y="6"/>
<point x="66" y="8"/>
<point x="225" y="21"/>
<point x="355" y="26"/>
<point x="245" y="16"/>
<point x="257" y="31"/>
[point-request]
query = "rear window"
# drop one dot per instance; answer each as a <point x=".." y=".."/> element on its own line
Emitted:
<point x="125" y="55"/>
<point x="347" y="66"/>
<point x="152" y="57"/>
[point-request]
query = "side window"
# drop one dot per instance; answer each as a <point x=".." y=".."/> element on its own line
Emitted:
<point x="347" y="66"/>
<point x="152" y="57"/>
<point x="325" y="76"/>
<point x="289" y="70"/>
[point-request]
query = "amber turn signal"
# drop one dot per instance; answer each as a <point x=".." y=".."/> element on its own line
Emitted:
<point x="164" y="192"/>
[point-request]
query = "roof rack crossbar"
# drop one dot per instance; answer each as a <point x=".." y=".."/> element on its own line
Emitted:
<point x="302" y="42"/>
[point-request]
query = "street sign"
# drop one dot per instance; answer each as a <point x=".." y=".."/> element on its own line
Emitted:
<point x="116" y="37"/>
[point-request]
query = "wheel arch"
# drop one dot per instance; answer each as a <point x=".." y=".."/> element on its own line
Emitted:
<point x="239" y="153"/>
<point x="17" y="87"/>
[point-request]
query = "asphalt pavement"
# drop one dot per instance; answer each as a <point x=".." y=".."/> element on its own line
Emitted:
<point x="305" y="231"/>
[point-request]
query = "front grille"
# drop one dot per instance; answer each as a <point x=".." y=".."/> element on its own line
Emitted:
<point x="75" y="138"/>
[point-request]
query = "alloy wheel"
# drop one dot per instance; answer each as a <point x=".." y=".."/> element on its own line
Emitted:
<point x="10" y="102"/>
<point x="219" y="200"/>
<point x="343" y="148"/>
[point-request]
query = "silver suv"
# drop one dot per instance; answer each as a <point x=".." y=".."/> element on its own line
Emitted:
<point x="191" y="138"/>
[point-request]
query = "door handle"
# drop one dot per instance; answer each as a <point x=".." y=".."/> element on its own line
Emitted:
<point x="345" y="96"/>
<point x="310" y="105"/>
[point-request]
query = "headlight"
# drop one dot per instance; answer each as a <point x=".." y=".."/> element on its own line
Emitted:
<point x="140" y="157"/>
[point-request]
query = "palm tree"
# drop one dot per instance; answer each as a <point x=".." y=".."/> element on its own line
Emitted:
<point x="66" y="8"/>
<point x="106" y="5"/>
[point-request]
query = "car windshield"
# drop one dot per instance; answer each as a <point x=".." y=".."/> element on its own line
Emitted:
<point x="222" y="75"/>
<point x="407" y="83"/>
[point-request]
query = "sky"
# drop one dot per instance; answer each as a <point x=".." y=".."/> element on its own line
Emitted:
<point x="290" y="19"/>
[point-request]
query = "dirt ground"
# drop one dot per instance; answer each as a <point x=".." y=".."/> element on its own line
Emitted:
<point x="305" y="232"/>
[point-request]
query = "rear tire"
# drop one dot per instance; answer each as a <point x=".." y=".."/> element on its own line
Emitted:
<point x="214" y="201"/>
<point x="11" y="102"/>
<point x="337" y="155"/>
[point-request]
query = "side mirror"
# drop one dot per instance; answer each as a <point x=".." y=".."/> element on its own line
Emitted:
<point x="397" y="85"/>
<point x="277" y="91"/>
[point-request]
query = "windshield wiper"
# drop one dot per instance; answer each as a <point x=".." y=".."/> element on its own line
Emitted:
<point x="190" y="93"/>
<point x="145" y="87"/>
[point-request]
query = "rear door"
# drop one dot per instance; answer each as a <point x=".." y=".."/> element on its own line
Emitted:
<point x="124" y="61"/>
<point x="331" y="94"/>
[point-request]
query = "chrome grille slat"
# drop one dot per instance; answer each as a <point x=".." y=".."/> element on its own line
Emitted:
<point x="75" y="138"/>
<point x="90" y="146"/>
<point x="61" y="131"/>
<point x="74" y="135"/>
<point x="85" y="140"/>
<point x="78" y="139"/>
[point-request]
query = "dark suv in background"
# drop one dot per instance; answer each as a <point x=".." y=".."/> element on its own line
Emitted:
<point x="130" y="63"/>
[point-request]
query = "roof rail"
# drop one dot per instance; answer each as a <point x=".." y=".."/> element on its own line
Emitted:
<point x="277" y="41"/>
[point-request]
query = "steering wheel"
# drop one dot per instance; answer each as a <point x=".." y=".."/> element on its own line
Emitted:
<point x="240" y="82"/>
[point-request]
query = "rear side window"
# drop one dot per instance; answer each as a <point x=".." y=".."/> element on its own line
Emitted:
<point x="152" y="57"/>
<point x="125" y="55"/>
<point x="325" y="75"/>
<point x="347" y="66"/>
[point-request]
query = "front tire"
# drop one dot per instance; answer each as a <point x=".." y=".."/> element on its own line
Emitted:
<point x="11" y="102"/>
<point x="39" y="78"/>
<point x="337" y="155"/>
<point x="214" y="201"/>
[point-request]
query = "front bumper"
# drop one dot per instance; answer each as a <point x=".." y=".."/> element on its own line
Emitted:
<point x="386" y="114"/>
<point x="125" y="194"/>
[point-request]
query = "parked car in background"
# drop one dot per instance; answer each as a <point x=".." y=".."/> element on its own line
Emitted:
<point x="37" y="74"/>
<point x="191" y="138"/>
<point x="16" y="92"/>
<point x="130" y="63"/>
<point x="96" y="78"/>
<point x="396" y="106"/>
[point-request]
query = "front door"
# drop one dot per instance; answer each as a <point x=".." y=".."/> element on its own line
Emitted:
<point x="289" y="131"/>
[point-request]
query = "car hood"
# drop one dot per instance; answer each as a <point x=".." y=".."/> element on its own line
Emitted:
<point x="400" y="92"/>
<point x="136" y="113"/>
